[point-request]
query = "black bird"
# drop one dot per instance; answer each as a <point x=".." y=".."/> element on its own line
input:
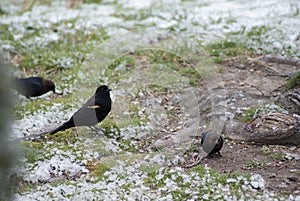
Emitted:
<point x="92" y="112"/>
<point x="33" y="86"/>
<point x="212" y="143"/>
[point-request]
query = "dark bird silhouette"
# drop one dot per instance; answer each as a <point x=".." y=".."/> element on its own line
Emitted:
<point x="33" y="86"/>
<point x="211" y="143"/>
<point x="92" y="112"/>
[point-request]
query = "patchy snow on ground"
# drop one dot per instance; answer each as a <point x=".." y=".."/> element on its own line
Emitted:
<point x="40" y="121"/>
<point x="125" y="182"/>
<point x="207" y="20"/>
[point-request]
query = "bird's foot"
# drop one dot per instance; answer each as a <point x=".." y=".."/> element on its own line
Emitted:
<point x="217" y="154"/>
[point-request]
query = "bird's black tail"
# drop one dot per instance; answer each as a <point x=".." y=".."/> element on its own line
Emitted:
<point x="68" y="124"/>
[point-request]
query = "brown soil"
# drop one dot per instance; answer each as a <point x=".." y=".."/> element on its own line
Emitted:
<point x="250" y="82"/>
<point x="261" y="81"/>
<point x="281" y="174"/>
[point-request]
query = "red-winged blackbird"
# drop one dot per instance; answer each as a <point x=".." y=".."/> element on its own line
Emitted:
<point x="92" y="112"/>
<point x="33" y="86"/>
<point x="211" y="143"/>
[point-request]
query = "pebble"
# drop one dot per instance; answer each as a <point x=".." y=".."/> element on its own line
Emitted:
<point x="257" y="182"/>
<point x="294" y="170"/>
<point x="291" y="156"/>
<point x="141" y="95"/>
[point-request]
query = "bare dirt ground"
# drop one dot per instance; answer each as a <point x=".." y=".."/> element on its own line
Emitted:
<point x="248" y="82"/>
<point x="278" y="164"/>
<point x="280" y="172"/>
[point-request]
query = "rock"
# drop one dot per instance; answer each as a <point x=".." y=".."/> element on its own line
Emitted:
<point x="273" y="128"/>
<point x="291" y="156"/>
<point x="257" y="182"/>
<point x="290" y="101"/>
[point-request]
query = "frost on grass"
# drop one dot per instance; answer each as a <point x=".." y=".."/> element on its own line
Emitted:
<point x="129" y="182"/>
<point x="256" y="25"/>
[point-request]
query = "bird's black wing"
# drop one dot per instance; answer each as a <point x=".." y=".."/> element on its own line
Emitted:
<point x="28" y="87"/>
<point x="35" y="88"/>
<point x="86" y="115"/>
<point x="203" y="138"/>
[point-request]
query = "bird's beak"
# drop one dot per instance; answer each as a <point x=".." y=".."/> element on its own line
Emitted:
<point x="108" y="89"/>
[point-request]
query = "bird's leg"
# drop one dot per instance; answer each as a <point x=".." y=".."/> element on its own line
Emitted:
<point x="209" y="156"/>
<point x="97" y="131"/>
<point x="93" y="128"/>
<point x="219" y="154"/>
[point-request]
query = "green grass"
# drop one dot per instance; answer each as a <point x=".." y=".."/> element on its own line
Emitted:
<point x="62" y="59"/>
<point x="273" y="156"/>
<point x="36" y="104"/>
<point x="167" y="62"/>
<point x="258" y="31"/>
<point x="214" y="179"/>
<point x="249" y="114"/>
<point x="253" y="112"/>
<point x="67" y="52"/>
<point x="136" y="16"/>
<point x="254" y="164"/>
<point x="293" y="81"/>
<point x="98" y="170"/>
<point x="277" y="156"/>
<point x="92" y="1"/>
<point x="29" y="150"/>
<point x="221" y="50"/>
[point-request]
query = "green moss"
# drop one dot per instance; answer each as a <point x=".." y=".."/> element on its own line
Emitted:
<point x="293" y="81"/>
<point x="253" y="112"/>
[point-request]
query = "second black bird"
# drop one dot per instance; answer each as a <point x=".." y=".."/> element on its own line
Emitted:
<point x="92" y="112"/>
<point x="33" y="86"/>
<point x="212" y="143"/>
